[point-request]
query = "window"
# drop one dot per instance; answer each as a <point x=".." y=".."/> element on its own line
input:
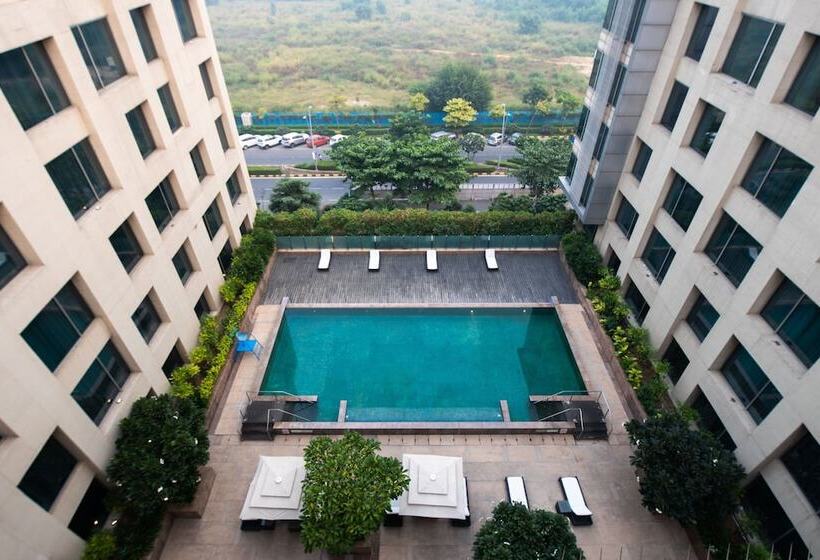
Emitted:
<point x="803" y="461"/>
<point x="754" y="390"/>
<point x="199" y="163"/>
<point x="79" y="177"/>
<point x="60" y="324"/>
<point x="582" y="123"/>
<point x="573" y="161"/>
<point x="636" y="302"/>
<point x="585" y="191"/>
<point x="776" y="176"/>
<point x="11" y="261"/>
<point x="750" y="51"/>
<point x="702" y="317"/>
<point x="658" y="255"/>
<point x="709" y="420"/>
<point x="202" y="308"/>
<point x="682" y="202"/>
<point x="139" y="128"/>
<point x="224" y="257"/>
<point x="635" y="21"/>
<point x="182" y="264"/>
<point x="169" y="107"/>
<point x="614" y="262"/>
<point x="796" y="319"/>
<point x="234" y="189"/>
<point x="596" y="69"/>
<point x="172" y="362"/>
<point x="617" y="83"/>
<point x="610" y="14"/>
<point x="126" y="246"/>
<point x="146" y="319"/>
<point x="600" y="142"/>
<point x="101" y="383"/>
<point x="245" y="226"/>
<point x="213" y="219"/>
<point x="185" y="19"/>
<point x="223" y="138"/>
<point x="703" y="28"/>
<point x="144" y="33"/>
<point x="673" y="105"/>
<point x="99" y="52"/>
<point x="641" y="160"/>
<point x="805" y="91"/>
<point x="206" y="79"/>
<point x="31" y="85"/>
<point x="626" y="218"/>
<point x="162" y="203"/>
<point x="732" y="249"/>
<point x="677" y="360"/>
<point x="774" y="525"/>
<point x="707" y="129"/>
<point x="92" y="512"/>
<point x="48" y="473"/>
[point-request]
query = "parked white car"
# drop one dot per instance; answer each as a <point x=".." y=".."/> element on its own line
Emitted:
<point x="270" y="141"/>
<point x="248" y="141"/>
<point x="495" y="139"/>
<point x="336" y="138"/>
<point x="293" y="139"/>
<point x="515" y="138"/>
<point x="442" y="134"/>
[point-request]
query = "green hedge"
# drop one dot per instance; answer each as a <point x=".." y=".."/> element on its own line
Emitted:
<point x="417" y="221"/>
<point x="480" y="168"/>
<point x="322" y="165"/>
<point x="254" y="170"/>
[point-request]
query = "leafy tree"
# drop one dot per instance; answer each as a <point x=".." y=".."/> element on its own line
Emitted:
<point x="517" y="533"/>
<point x="428" y="170"/>
<point x="542" y="162"/>
<point x="684" y="473"/>
<point x="407" y="123"/>
<point x="558" y="101"/>
<point x="366" y="161"/>
<point x="529" y="24"/>
<point x="535" y="92"/>
<point x="510" y="203"/>
<point x="472" y="143"/>
<point x="347" y="489"/>
<point x="549" y="203"/>
<point x="419" y="102"/>
<point x="363" y="11"/>
<point x="458" y="113"/>
<point x="497" y="111"/>
<point x="291" y="195"/>
<point x="336" y="103"/>
<point x="459" y="80"/>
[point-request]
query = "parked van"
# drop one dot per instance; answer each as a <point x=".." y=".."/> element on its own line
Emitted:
<point x="293" y="139"/>
<point x="495" y="139"/>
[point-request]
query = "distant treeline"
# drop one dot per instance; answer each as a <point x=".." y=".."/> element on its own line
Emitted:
<point x="591" y="11"/>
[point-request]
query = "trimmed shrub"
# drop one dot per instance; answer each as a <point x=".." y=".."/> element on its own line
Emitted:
<point x="582" y="257"/>
<point x="255" y="170"/>
<point x="321" y="165"/>
<point x="101" y="546"/>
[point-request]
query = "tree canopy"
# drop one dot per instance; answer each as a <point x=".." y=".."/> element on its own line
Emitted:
<point x="291" y="195"/>
<point x="459" y="80"/>
<point x="365" y="160"/>
<point x="418" y="101"/>
<point x="535" y="92"/>
<point x="542" y="162"/>
<point x="472" y="143"/>
<point x="407" y="124"/>
<point x="428" y="170"/>
<point x="458" y="113"/>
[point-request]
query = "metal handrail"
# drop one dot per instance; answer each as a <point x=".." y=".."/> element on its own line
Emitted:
<point x="297" y="416"/>
<point x="578" y="392"/>
<point x="251" y="394"/>
<point x="580" y="414"/>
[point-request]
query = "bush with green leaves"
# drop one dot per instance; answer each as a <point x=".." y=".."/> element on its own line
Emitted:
<point x="549" y="202"/>
<point x="511" y="203"/>
<point x="459" y="80"/>
<point x="347" y="488"/>
<point x="582" y="257"/>
<point x="291" y="195"/>
<point x="101" y="546"/>
<point x="517" y="533"/>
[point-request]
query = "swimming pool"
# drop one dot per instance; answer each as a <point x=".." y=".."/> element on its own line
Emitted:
<point x="421" y="365"/>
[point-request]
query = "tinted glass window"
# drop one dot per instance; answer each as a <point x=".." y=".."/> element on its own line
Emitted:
<point x="775" y="527"/>
<point x="182" y="264"/>
<point x="703" y="28"/>
<point x="596" y="69"/>
<point x="582" y="123"/>
<point x="573" y="161"/>
<point x="162" y="203"/>
<point x="617" y="84"/>
<point x="613" y="263"/>
<point x="30" y="84"/>
<point x="752" y="46"/>
<point x="805" y="91"/>
<point x="96" y="43"/>
<point x="224" y="257"/>
<point x="707" y="129"/>
<point x="635" y="21"/>
<point x="61" y="323"/>
<point x="682" y="202"/>
<point x="626" y="218"/>
<point x="169" y="107"/>
<point x="206" y="79"/>
<point x="202" y="307"/>
<point x="172" y="362"/>
<point x="11" y="261"/>
<point x="658" y="255"/>
<point x="636" y="302"/>
<point x="79" y="177"/>
<point x="139" y="128"/>
<point x="144" y="33"/>
<point x="732" y="249"/>
<point x="92" y="511"/>
<point x="673" y="105"/>
<point x="803" y="462"/>
<point x="610" y="13"/>
<point x="185" y="19"/>
<point x="709" y="420"/>
<point x="677" y="360"/>
<point x="753" y="388"/>
<point x="146" y="319"/>
<point x="102" y="382"/>
<point x="126" y="246"/>
<point x="600" y="142"/>
<point x="234" y="190"/>
<point x="796" y="318"/>
<point x="212" y="219"/>
<point x="586" y="190"/>
<point x="702" y="317"/>
<point x="48" y="473"/>
<point x="641" y="160"/>
<point x="776" y="176"/>
<point x="199" y="164"/>
<point x="220" y="130"/>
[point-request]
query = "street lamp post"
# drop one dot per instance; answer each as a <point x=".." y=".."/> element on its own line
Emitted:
<point x="503" y="128"/>
<point x="312" y="143"/>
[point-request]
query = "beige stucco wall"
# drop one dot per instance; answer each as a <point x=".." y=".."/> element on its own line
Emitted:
<point x="33" y="401"/>
<point x="790" y="243"/>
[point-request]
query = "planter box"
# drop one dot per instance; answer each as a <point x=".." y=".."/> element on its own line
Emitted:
<point x="195" y="509"/>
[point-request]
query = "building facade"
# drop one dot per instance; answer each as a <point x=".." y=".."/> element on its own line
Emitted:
<point x="123" y="192"/>
<point x="703" y="192"/>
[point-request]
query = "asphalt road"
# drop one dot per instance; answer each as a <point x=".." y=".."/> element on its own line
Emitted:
<point x="332" y="189"/>
<point x="301" y="154"/>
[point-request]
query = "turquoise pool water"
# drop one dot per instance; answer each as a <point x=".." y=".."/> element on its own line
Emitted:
<point x="421" y="365"/>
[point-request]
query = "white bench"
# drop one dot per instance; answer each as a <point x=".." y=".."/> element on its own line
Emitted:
<point x="373" y="264"/>
<point x="432" y="261"/>
<point x="516" y="491"/>
<point x="324" y="259"/>
<point x="579" y="513"/>
<point x="489" y="258"/>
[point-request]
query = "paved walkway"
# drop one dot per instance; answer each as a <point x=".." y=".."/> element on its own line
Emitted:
<point x="523" y="277"/>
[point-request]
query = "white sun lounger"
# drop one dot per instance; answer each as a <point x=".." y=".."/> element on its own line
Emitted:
<point x="374" y="260"/>
<point x="516" y="491"/>
<point x="324" y="259"/>
<point x="579" y="513"/>
<point x="489" y="258"/>
<point x="432" y="261"/>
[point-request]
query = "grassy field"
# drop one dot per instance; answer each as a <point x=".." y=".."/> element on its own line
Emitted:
<point x="306" y="52"/>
